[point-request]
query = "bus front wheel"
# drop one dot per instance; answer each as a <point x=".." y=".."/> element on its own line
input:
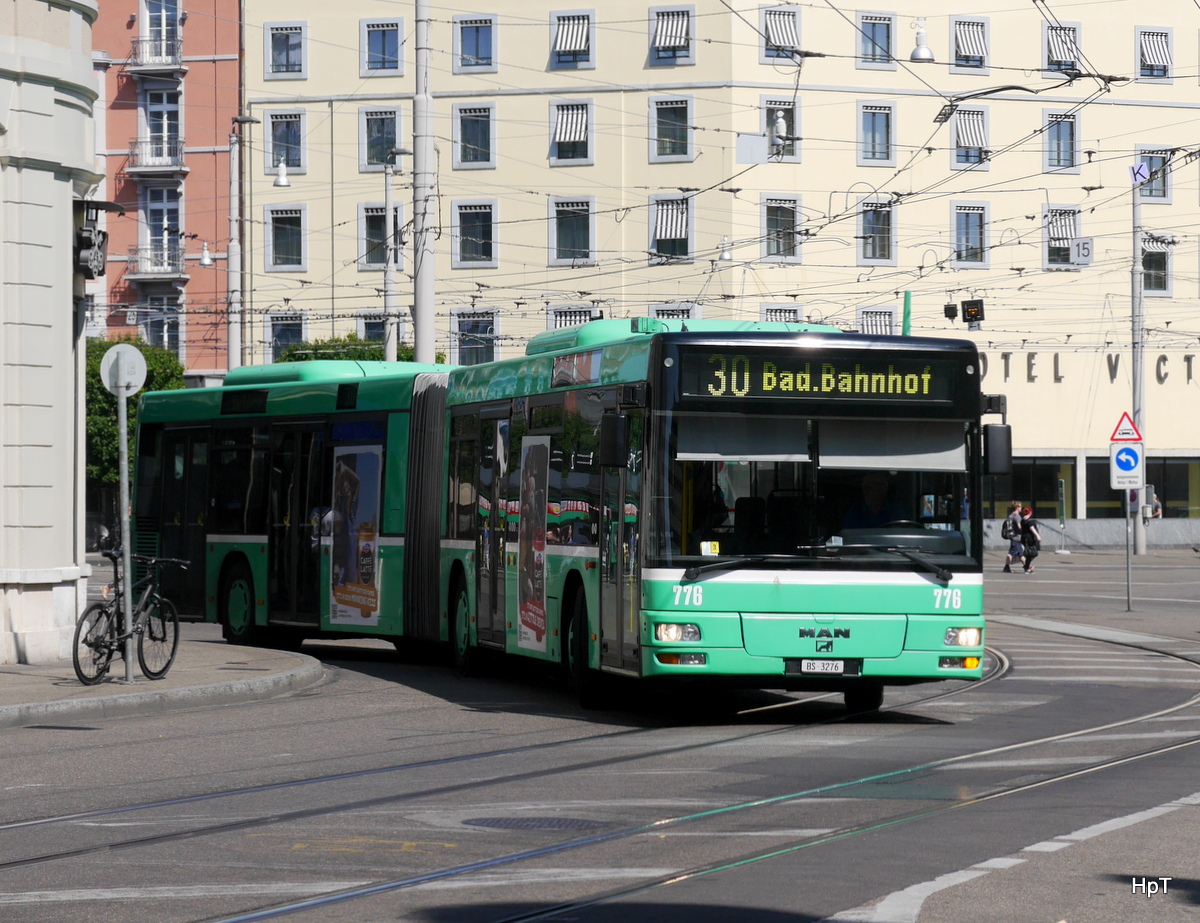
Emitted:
<point x="865" y="697"/>
<point x="237" y="605"/>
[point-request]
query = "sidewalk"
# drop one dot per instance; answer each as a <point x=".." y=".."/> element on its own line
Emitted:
<point x="206" y="671"/>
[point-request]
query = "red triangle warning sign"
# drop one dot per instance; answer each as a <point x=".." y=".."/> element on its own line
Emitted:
<point x="1125" y="431"/>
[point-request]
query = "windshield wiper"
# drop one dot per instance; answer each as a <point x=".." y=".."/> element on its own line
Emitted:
<point x="912" y="554"/>
<point x="942" y="573"/>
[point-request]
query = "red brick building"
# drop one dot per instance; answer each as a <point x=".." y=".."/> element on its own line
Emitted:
<point x="169" y="79"/>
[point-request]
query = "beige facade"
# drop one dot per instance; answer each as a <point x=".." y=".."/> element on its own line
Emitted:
<point x="46" y="166"/>
<point x="626" y="160"/>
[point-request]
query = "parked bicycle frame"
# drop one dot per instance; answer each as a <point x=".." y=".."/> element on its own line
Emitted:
<point x="98" y="638"/>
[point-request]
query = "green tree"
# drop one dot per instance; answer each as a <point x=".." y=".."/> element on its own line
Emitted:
<point x="347" y="347"/>
<point x="163" y="373"/>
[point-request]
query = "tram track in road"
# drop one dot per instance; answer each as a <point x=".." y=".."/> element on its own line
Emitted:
<point x="675" y="877"/>
<point x="999" y="667"/>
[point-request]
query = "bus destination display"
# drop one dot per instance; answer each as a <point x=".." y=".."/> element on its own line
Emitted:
<point x="765" y="373"/>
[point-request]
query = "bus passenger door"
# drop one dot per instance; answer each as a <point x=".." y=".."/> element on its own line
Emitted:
<point x="491" y="510"/>
<point x="619" y="552"/>
<point x="293" y="542"/>
<point x="183" y="508"/>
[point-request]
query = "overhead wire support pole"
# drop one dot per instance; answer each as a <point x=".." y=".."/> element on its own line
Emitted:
<point x="424" y="334"/>
<point x="1138" y="347"/>
<point x="391" y="318"/>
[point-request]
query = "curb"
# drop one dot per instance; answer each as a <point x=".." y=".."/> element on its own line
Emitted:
<point x="307" y="673"/>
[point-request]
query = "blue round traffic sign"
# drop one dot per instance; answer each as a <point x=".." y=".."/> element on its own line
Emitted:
<point x="1126" y="459"/>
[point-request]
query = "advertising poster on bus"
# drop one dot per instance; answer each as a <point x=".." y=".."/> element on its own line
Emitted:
<point x="531" y="547"/>
<point x="354" y="528"/>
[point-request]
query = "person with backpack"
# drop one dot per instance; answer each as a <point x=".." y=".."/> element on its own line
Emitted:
<point x="1011" y="530"/>
<point x="1031" y="538"/>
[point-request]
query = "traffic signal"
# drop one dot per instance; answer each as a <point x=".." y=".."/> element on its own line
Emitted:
<point x="951" y="310"/>
<point x="972" y="311"/>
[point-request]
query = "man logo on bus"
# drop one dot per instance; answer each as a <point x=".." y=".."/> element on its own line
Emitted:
<point x="824" y="647"/>
<point x="824" y="633"/>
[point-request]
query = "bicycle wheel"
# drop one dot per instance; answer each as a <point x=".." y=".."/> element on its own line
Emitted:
<point x="158" y="639"/>
<point x="93" y="648"/>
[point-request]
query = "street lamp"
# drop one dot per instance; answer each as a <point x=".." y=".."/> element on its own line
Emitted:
<point x="922" y="53"/>
<point x="233" y="255"/>
<point x="391" y="317"/>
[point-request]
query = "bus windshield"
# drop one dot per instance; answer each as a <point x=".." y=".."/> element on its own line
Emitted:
<point x="745" y="485"/>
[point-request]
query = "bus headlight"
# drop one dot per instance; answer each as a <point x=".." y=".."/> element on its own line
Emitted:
<point x="673" y="633"/>
<point x="963" y="637"/>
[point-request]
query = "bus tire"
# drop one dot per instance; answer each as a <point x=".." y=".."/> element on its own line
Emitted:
<point x="864" y="697"/>
<point x="581" y="678"/>
<point x="466" y="657"/>
<point x="237" y="605"/>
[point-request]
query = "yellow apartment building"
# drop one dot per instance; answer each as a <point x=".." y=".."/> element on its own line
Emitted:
<point x="756" y="161"/>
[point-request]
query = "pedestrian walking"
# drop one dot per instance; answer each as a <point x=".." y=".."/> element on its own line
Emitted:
<point x="1011" y="530"/>
<point x="1031" y="538"/>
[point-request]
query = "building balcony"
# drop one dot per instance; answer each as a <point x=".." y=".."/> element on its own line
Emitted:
<point x="156" y="157"/>
<point x="156" y="264"/>
<point x="156" y="57"/>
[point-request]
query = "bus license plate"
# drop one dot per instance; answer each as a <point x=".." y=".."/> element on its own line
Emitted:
<point x="820" y="666"/>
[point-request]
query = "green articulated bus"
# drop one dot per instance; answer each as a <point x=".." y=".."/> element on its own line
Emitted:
<point x="774" y="505"/>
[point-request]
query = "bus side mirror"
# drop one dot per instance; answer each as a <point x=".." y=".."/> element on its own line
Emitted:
<point x="614" y="440"/>
<point x="997" y="448"/>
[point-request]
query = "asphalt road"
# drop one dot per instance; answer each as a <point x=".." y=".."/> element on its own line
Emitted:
<point x="412" y="794"/>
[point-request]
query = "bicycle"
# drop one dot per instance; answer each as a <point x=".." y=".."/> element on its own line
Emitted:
<point x="98" y="638"/>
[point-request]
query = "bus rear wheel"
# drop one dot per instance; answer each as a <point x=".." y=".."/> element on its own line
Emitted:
<point x="864" y="697"/>
<point x="466" y="657"/>
<point x="581" y="678"/>
<point x="237" y="605"/>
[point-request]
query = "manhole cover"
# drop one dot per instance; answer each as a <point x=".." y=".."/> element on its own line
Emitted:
<point x="537" y="823"/>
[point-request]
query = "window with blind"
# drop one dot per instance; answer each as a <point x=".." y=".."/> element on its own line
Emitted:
<point x="1156" y="262"/>
<point x="970" y="43"/>
<point x="876" y="321"/>
<point x="780" y="33"/>
<point x="671" y="230"/>
<point x="671" y="35"/>
<point x="570" y="132"/>
<point x="970" y="136"/>
<point x="785" y="314"/>
<point x="1062" y="227"/>
<point x="571" y="40"/>
<point x="1154" y="53"/>
<point x="1062" y="47"/>
<point x="571" y="317"/>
